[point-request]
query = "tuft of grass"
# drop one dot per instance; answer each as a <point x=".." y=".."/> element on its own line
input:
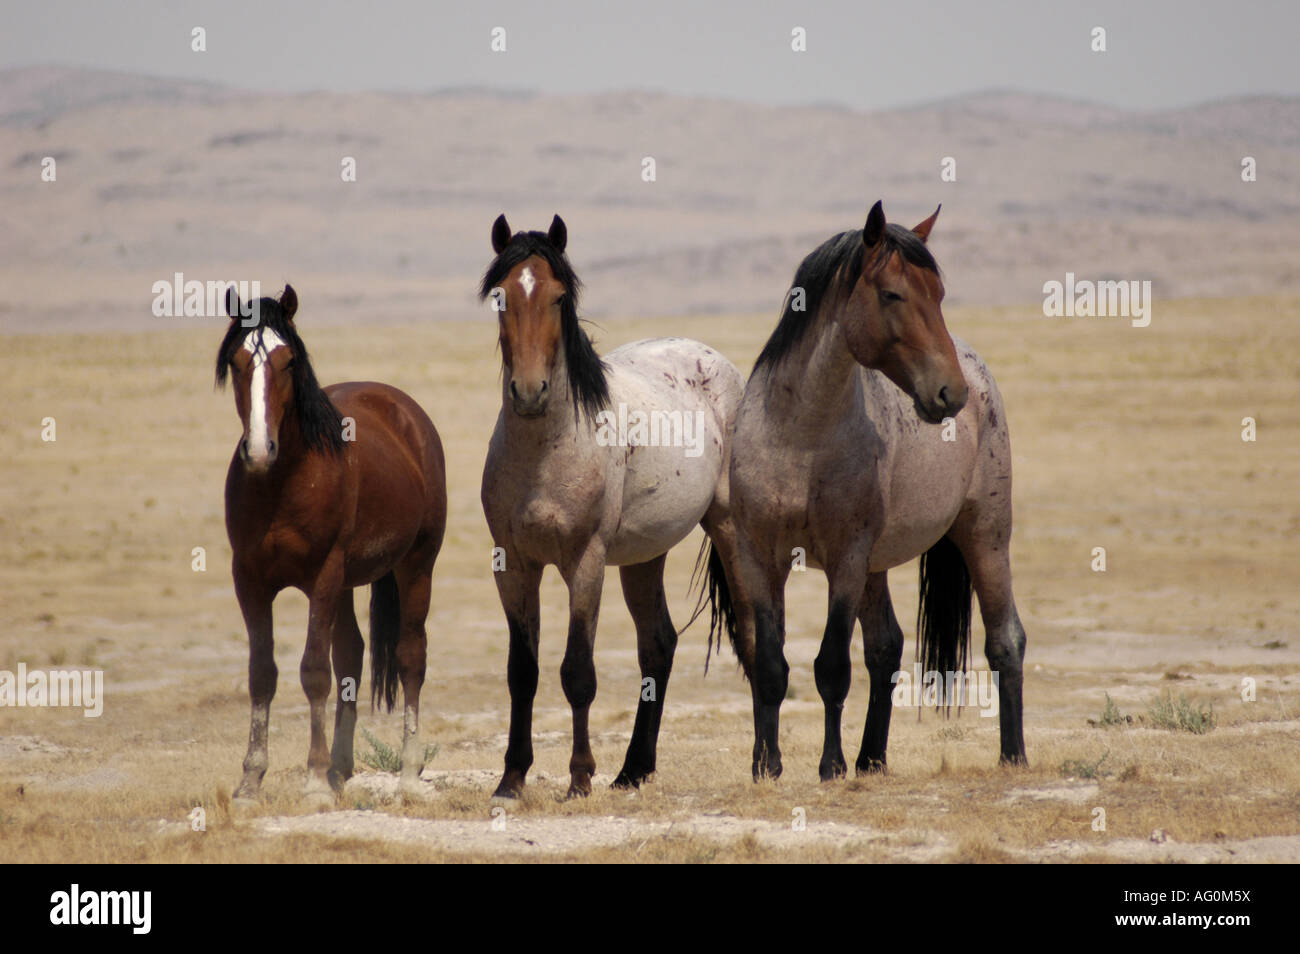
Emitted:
<point x="1181" y="715"/>
<point x="385" y="758"/>
<point x="1111" y="714"/>
<point x="1082" y="768"/>
<point x="381" y="756"/>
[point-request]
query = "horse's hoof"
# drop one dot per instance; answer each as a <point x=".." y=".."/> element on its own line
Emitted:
<point x="508" y="791"/>
<point x="767" y="771"/>
<point x="829" y="772"/>
<point x="579" y="788"/>
<point x="630" y="779"/>
<point x="243" y="803"/>
<point x="246" y="795"/>
<point x="317" y="793"/>
<point x="870" y="767"/>
<point x="410" y="788"/>
<point x="1015" y="761"/>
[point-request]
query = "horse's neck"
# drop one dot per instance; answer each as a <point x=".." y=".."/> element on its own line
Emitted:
<point x="557" y="430"/>
<point x="817" y="382"/>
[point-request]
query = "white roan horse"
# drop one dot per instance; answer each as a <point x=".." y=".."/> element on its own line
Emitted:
<point x="833" y="452"/>
<point x="592" y="464"/>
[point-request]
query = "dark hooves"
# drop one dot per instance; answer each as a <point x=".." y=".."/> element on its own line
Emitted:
<point x="831" y="772"/>
<point x="629" y="780"/>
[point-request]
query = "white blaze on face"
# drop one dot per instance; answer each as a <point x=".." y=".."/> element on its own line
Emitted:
<point x="259" y="437"/>
<point x="527" y="282"/>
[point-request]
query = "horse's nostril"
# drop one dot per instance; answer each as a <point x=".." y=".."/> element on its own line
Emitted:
<point x="544" y="386"/>
<point x="514" y="390"/>
<point x="243" y="448"/>
<point x="943" y="396"/>
<point x="270" y="446"/>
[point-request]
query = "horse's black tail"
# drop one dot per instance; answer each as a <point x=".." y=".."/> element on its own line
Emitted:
<point x="385" y="628"/>
<point x="943" y="618"/>
<point x="714" y="590"/>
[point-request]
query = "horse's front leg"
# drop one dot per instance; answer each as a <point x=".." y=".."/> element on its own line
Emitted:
<point x="585" y="579"/>
<point x="832" y="668"/>
<point x="518" y="588"/>
<point x="314" y="671"/>
<point x="255" y="603"/>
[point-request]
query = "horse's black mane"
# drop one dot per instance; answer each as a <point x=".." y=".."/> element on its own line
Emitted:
<point x="586" y="371"/>
<point x="830" y="270"/>
<point x="318" y="419"/>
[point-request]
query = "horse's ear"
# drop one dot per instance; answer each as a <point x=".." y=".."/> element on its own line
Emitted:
<point x="232" y="302"/>
<point x="923" y="229"/>
<point x="559" y="234"/>
<point x="875" y="229"/>
<point x="500" y="234"/>
<point x="289" y="302"/>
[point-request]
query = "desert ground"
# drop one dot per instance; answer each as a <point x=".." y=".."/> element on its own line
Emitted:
<point x="1124" y="438"/>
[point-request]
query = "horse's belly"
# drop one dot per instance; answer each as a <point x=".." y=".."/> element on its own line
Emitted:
<point x="668" y="401"/>
<point x="928" y="482"/>
<point x="665" y="495"/>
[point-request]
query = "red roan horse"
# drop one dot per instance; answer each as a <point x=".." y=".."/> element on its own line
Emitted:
<point x="330" y="489"/>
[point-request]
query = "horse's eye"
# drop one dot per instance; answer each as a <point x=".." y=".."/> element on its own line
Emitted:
<point x="889" y="297"/>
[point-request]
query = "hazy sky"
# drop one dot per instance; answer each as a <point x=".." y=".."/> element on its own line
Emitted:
<point x="863" y="53"/>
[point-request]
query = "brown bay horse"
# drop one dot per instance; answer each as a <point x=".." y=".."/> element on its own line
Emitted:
<point x="329" y="489"/>
<point x="596" y="462"/>
<point x="835" y="452"/>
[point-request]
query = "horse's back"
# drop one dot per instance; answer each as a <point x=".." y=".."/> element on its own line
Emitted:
<point x="401" y="470"/>
<point x="400" y="418"/>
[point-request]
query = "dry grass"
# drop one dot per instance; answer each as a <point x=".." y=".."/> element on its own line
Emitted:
<point x="1124" y="438"/>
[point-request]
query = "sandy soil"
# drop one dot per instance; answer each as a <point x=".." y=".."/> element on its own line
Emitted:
<point x="1124" y="438"/>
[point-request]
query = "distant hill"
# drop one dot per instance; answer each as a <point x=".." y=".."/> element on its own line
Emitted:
<point x="157" y="176"/>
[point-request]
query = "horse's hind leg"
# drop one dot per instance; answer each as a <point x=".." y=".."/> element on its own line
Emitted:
<point x="656" y="642"/>
<point x="721" y="530"/>
<point x="348" y="652"/>
<point x="882" y="646"/>
<point x="412" y="658"/>
<point x="262" y="676"/>
<point x="983" y="536"/>
<point x="761" y="580"/>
